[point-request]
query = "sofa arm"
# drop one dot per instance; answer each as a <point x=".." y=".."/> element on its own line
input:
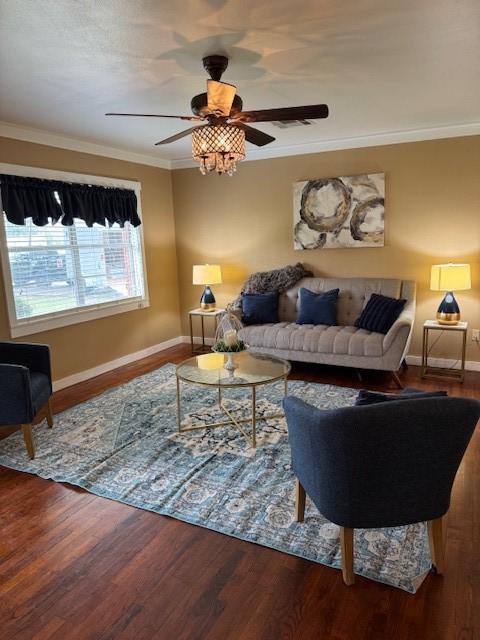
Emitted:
<point x="404" y="324"/>
<point x="15" y="395"/>
<point x="36" y="357"/>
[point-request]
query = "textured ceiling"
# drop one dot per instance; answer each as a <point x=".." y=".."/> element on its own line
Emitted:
<point x="381" y="65"/>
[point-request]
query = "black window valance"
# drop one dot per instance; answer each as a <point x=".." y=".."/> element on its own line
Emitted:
<point x="47" y="201"/>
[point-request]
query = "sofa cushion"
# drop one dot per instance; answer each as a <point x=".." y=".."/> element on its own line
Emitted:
<point x="318" y="308"/>
<point x="259" y="308"/>
<point x="352" y="297"/>
<point x="380" y="313"/>
<point x="314" y="339"/>
<point x="374" y="397"/>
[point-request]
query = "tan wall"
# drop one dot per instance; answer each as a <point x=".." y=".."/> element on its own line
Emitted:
<point x="432" y="215"/>
<point x="245" y="224"/>
<point x="88" y="344"/>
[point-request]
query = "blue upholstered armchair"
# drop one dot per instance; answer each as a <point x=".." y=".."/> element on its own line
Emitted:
<point x="25" y="387"/>
<point x="381" y="465"/>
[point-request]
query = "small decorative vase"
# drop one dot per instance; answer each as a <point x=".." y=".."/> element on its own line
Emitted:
<point x="230" y="363"/>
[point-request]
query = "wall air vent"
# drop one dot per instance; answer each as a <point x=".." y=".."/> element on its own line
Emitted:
<point x="286" y="124"/>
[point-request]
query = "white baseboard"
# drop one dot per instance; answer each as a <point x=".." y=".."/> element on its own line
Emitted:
<point x="444" y="363"/>
<point x="81" y="376"/>
<point x="197" y="340"/>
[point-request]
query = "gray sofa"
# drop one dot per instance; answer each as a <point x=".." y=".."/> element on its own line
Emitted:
<point x="342" y="345"/>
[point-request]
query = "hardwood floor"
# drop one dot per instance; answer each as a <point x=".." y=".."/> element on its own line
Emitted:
<point x="74" y="566"/>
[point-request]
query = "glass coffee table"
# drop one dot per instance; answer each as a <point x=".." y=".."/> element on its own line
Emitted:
<point x="245" y="369"/>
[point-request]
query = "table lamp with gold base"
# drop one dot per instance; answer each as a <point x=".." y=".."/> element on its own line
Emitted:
<point x="449" y="277"/>
<point x="207" y="274"/>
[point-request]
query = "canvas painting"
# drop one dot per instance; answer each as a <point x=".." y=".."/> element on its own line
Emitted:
<point x="331" y="213"/>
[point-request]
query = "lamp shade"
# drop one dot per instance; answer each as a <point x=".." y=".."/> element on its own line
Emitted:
<point x="207" y="274"/>
<point x="218" y="147"/>
<point x="450" y="277"/>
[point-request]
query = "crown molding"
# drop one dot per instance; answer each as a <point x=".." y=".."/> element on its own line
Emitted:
<point x="338" y="144"/>
<point x="8" y="130"/>
<point x="39" y="136"/>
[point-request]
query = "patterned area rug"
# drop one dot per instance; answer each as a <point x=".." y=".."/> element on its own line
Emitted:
<point x="124" y="445"/>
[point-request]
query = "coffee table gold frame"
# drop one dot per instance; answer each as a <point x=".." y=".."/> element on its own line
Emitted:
<point x="232" y="420"/>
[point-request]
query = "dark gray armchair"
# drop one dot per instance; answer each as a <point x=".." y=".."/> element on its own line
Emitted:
<point x="381" y="465"/>
<point x="25" y="387"/>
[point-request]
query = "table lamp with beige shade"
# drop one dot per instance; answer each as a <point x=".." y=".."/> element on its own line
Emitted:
<point x="449" y="278"/>
<point x="206" y="275"/>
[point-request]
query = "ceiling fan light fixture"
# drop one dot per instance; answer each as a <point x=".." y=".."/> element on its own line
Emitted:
<point x="218" y="148"/>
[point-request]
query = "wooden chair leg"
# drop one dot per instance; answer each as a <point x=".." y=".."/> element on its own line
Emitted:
<point x="28" y="437"/>
<point x="346" y="546"/>
<point x="435" y="540"/>
<point x="300" y="497"/>
<point x="49" y="413"/>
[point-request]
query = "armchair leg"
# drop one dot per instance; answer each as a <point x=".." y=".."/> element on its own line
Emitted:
<point x="346" y="545"/>
<point x="300" y="497"/>
<point x="28" y="437"/>
<point x="49" y="413"/>
<point x="435" y="540"/>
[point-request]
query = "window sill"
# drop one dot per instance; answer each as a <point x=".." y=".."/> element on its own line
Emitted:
<point x="75" y="316"/>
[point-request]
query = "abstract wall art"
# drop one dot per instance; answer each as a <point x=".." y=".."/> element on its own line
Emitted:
<point x="331" y="213"/>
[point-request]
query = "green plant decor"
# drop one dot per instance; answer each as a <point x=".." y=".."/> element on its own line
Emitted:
<point x="221" y="347"/>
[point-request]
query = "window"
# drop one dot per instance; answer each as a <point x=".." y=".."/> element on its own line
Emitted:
<point x="57" y="275"/>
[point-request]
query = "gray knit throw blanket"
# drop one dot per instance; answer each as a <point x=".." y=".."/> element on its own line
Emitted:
<point x="278" y="280"/>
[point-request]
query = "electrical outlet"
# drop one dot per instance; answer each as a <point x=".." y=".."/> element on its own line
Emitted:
<point x="476" y="335"/>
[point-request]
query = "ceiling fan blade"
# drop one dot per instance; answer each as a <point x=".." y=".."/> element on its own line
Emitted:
<point x="255" y="136"/>
<point x="177" y="136"/>
<point x="220" y="97"/>
<point x="309" y="112"/>
<point x="153" y="115"/>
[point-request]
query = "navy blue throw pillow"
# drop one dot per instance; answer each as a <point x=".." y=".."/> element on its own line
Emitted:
<point x="318" y="308"/>
<point x="380" y="313"/>
<point x="374" y="397"/>
<point x="259" y="308"/>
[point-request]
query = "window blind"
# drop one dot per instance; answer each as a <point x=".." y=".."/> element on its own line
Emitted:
<point x="57" y="269"/>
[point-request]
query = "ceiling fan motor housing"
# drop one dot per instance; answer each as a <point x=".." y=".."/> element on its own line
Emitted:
<point x="199" y="105"/>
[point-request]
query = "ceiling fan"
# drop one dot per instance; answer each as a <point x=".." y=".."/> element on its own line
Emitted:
<point x="220" y="143"/>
